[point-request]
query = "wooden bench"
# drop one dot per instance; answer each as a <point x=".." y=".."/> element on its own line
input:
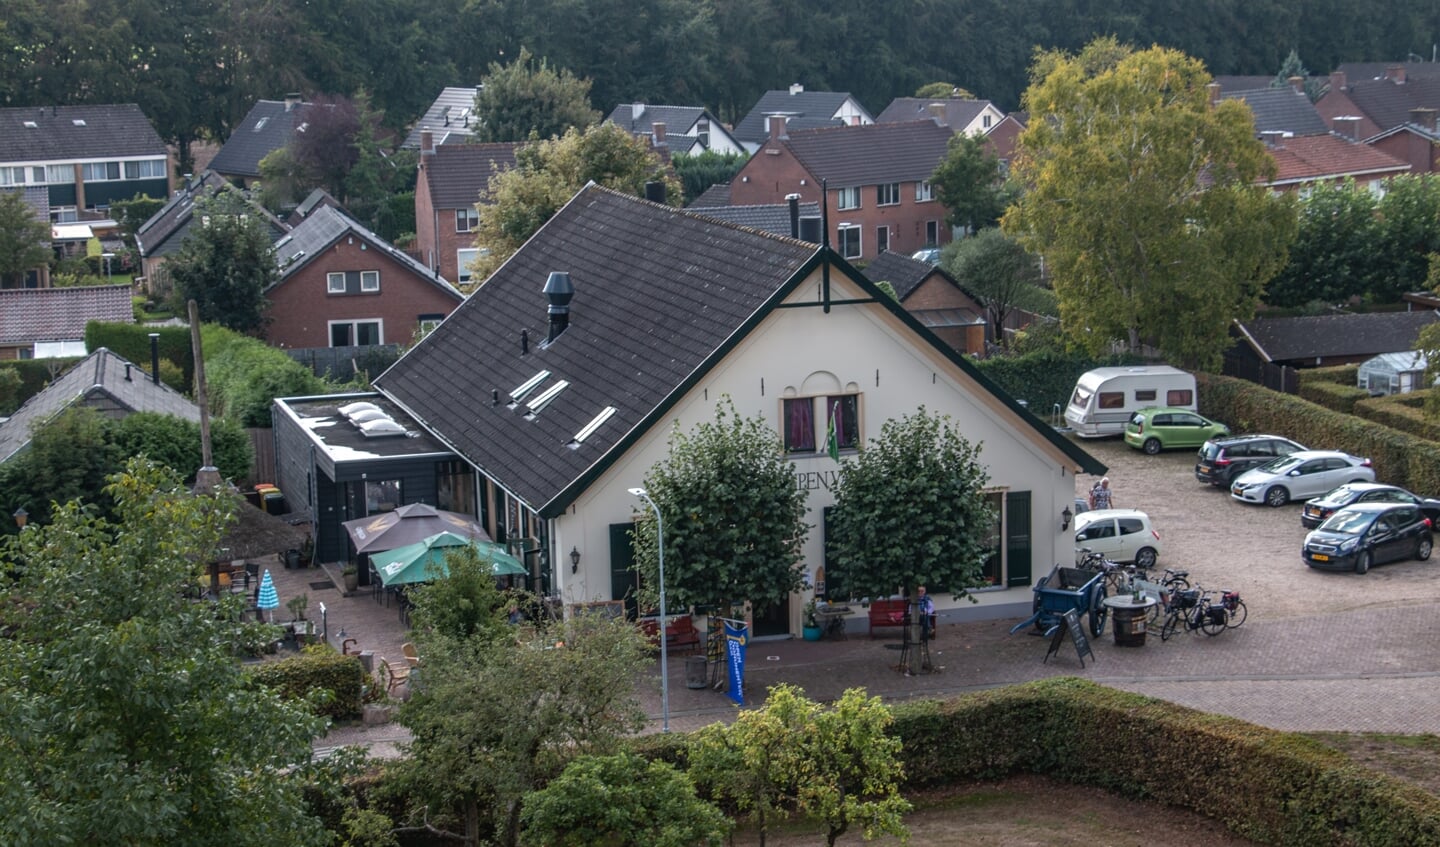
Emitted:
<point x="886" y="613"/>
<point x="680" y="634"/>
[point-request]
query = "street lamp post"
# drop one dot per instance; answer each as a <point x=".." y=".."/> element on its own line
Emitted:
<point x="664" y="653"/>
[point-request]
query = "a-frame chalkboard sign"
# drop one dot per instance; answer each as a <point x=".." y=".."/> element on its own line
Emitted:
<point x="1077" y="636"/>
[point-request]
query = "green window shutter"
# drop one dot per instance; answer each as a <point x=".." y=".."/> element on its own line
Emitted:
<point x="1017" y="538"/>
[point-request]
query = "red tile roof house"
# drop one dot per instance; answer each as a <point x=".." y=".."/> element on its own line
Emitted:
<point x="38" y="323"/>
<point x="1395" y="112"/>
<point x="341" y="285"/>
<point x="877" y="178"/>
<point x="452" y="176"/>
<point x="1303" y="161"/>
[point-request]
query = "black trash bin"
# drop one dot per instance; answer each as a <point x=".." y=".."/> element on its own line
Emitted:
<point x="694" y="671"/>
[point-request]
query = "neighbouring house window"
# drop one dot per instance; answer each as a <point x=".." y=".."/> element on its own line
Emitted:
<point x="466" y="219"/>
<point x="63" y="214"/>
<point x="849" y="239"/>
<point x="335" y="283"/>
<point x="154" y="169"/>
<point x="382" y="495"/>
<point x="848" y="198"/>
<point x="429" y="322"/>
<point x="887" y="194"/>
<point x="366" y="333"/>
<point x="12" y="176"/>
<point x="59" y="174"/>
<point x="882" y="239"/>
<point x="808" y="422"/>
<point x="985" y="121"/>
<point x="369" y="280"/>
<point x="100" y="171"/>
<point x="923" y="192"/>
<point x="932" y="233"/>
<point x="464" y="258"/>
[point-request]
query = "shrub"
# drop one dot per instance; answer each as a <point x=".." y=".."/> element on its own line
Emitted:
<point x="318" y="668"/>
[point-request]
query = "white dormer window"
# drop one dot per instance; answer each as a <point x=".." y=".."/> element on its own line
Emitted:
<point x="370" y="281"/>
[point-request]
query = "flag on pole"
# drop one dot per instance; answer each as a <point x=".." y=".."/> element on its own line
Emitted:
<point x="832" y="440"/>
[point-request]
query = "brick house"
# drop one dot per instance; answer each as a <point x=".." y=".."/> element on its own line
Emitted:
<point x="877" y="179"/>
<point x="802" y="110"/>
<point x="1394" y="110"/>
<point x="935" y="299"/>
<point x="341" y="285"/>
<point x="449" y="185"/>
<point x="1302" y="161"/>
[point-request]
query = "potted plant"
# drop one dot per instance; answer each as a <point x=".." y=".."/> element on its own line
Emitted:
<point x="811" y="624"/>
<point x="307" y="552"/>
<point x="297" y="605"/>
<point x="352" y="578"/>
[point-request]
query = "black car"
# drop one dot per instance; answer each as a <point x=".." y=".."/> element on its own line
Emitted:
<point x="1320" y="508"/>
<point x="1220" y="460"/>
<point x="1366" y="534"/>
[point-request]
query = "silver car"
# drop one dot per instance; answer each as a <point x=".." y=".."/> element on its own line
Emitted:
<point x="1300" y="475"/>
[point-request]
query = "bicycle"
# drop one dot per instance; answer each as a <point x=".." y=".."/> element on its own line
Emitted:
<point x="1162" y="592"/>
<point x="1193" y="609"/>
<point x="1117" y="580"/>
<point x="1235" y="607"/>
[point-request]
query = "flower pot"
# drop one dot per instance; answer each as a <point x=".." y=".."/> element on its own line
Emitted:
<point x="811" y="633"/>
<point x="352" y="581"/>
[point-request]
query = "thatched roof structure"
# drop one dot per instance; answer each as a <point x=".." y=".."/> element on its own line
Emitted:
<point x="256" y="533"/>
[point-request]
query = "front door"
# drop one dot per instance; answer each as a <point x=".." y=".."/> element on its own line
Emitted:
<point x="623" y="581"/>
<point x="770" y="619"/>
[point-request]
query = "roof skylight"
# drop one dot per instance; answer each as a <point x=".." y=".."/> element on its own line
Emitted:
<point x="528" y="386"/>
<point x="549" y="394"/>
<point x="589" y="428"/>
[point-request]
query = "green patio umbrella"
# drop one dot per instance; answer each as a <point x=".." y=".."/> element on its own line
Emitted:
<point x="425" y="560"/>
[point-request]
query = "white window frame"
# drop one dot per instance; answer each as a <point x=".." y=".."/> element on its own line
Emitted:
<point x="924" y="192"/>
<point x="354" y="323"/>
<point x="370" y="281"/>
<point x="462" y="263"/>
<point x="847" y="198"/>
<point x="467" y="219"/>
<point x="8" y="176"/>
<point x="887" y="194"/>
<point x="89" y="168"/>
<point x="840" y="234"/>
<point x="331" y="280"/>
<point x="59" y="174"/>
<point x="144" y="169"/>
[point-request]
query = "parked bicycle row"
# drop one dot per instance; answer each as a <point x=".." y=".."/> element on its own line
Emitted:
<point x="1175" y="605"/>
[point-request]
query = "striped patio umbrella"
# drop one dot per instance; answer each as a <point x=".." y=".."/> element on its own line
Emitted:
<point x="267" y="598"/>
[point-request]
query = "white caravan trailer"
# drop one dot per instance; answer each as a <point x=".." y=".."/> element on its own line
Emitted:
<point x="1105" y="398"/>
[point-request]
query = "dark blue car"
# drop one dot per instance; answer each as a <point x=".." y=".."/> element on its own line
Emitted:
<point x="1366" y="534"/>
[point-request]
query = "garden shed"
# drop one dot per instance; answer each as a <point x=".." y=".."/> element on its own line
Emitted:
<point x="1393" y="373"/>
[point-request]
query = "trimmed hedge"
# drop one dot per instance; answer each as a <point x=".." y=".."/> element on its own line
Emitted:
<point x="1399" y="458"/>
<point x="1405" y="412"/>
<point x="132" y="341"/>
<point x="317" y="669"/>
<point x="1333" y="395"/>
<point x="1044" y="379"/>
<point x="1338" y="374"/>
<point x="1269" y="786"/>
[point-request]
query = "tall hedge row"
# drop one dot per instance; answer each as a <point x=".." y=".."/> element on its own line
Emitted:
<point x="1399" y="458"/>
<point x="1268" y="786"/>
<point x="132" y="341"/>
<point x="1045" y="379"/>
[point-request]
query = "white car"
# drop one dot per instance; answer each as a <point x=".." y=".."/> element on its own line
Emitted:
<point x="1300" y="476"/>
<point x="1122" y="535"/>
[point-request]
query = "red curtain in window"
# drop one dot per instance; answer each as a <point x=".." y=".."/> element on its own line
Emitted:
<point x="800" y="424"/>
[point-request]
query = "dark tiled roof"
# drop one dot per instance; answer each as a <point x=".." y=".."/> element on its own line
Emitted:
<point x="1288" y="339"/>
<point x="76" y="132"/>
<point x="902" y="272"/>
<point x="1281" y="110"/>
<point x="657" y="292"/>
<point x="716" y="195"/>
<point x="267" y="127"/>
<point x="1306" y="158"/>
<point x="1355" y="71"/>
<point x="98" y="377"/>
<point x="677" y="119"/>
<point x="773" y="218"/>
<point x="1388" y="104"/>
<point x="872" y="154"/>
<point x="1232" y="83"/>
<point x="167" y="229"/>
<point x="313" y="236"/>
<point x="28" y="315"/>
<point x="806" y="110"/>
<point x="956" y="114"/>
<point x="450" y="118"/>
<point x="457" y="173"/>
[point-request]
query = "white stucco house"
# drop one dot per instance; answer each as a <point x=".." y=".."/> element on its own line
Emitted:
<point x="560" y="404"/>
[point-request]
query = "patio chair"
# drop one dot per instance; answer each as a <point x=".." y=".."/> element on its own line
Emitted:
<point x="393" y="676"/>
<point x="410" y="655"/>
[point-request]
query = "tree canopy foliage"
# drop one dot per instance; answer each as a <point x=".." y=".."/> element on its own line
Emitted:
<point x="530" y="99"/>
<point x="548" y="173"/>
<point x="997" y="269"/>
<point x="734" y="520"/>
<point x="124" y="715"/>
<point x="225" y="266"/>
<point x="969" y="184"/>
<point x="23" y="239"/>
<point x="1144" y="200"/>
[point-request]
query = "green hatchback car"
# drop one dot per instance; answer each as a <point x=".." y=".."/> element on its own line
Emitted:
<point x="1159" y="428"/>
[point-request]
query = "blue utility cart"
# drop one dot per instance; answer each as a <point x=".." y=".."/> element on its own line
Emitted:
<point x="1067" y="589"/>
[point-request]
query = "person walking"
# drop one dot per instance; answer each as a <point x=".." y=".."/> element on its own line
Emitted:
<point x="1101" y="497"/>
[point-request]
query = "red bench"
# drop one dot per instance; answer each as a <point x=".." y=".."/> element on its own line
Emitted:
<point x="886" y="613"/>
<point x="680" y="634"/>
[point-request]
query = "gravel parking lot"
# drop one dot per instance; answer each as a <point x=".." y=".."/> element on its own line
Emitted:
<point x="1255" y="549"/>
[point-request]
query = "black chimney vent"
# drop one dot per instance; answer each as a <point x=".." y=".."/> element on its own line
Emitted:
<point x="494" y="396"/>
<point x="127" y="371"/>
<point x="655" y="192"/>
<point x="794" y="201"/>
<point x="524" y="341"/>
<point x="810" y="230"/>
<point x="559" y="291"/>
<point x="155" y="357"/>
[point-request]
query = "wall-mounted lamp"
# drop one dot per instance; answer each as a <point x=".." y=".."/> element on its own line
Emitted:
<point x="1065" y="518"/>
<point x="21" y="516"/>
<point x="574" y="560"/>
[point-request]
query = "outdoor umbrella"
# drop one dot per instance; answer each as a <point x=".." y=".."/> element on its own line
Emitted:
<point x="409" y="525"/>
<point x="267" y="598"/>
<point x="426" y="559"/>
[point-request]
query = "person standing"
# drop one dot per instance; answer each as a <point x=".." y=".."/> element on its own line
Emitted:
<point x="926" y="609"/>
<point x="1101" y="497"/>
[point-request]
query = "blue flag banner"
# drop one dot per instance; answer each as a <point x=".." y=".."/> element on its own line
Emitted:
<point x="737" y="635"/>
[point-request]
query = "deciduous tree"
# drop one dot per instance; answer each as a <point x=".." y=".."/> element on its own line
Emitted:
<point x="733" y="517"/>
<point x="922" y="481"/>
<point x="225" y="267"/>
<point x="23" y="239"/>
<point x="1333" y="255"/>
<point x="969" y="183"/>
<point x="998" y="271"/>
<point x="941" y="91"/>
<point x="529" y="99"/>
<point x="1146" y="201"/>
